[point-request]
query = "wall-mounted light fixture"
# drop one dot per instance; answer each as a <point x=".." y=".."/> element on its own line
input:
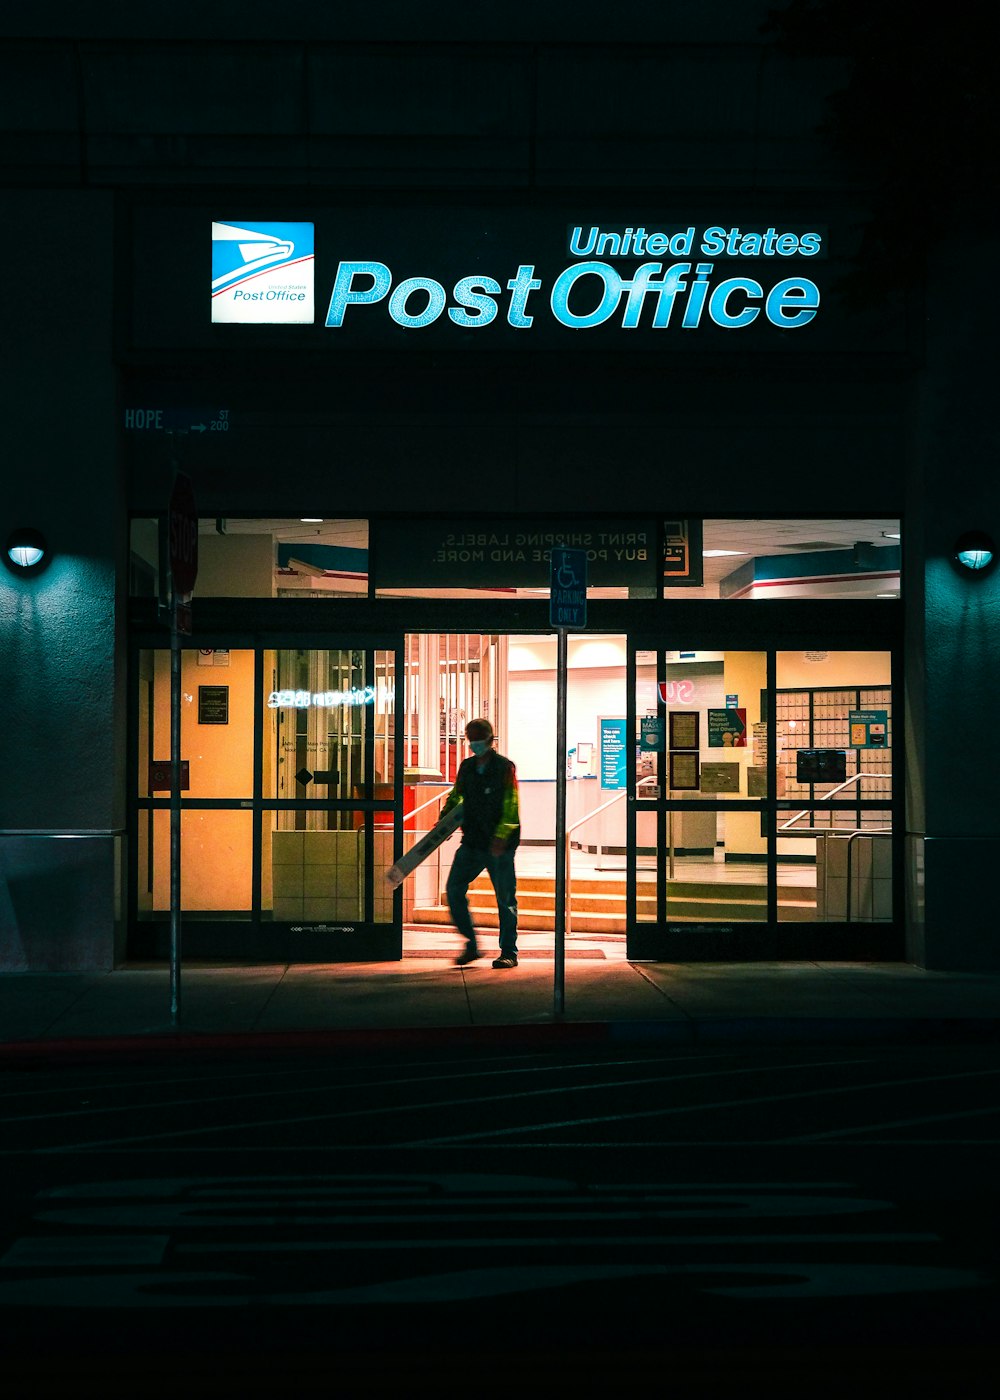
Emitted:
<point x="25" y="551"/>
<point x="974" y="551"/>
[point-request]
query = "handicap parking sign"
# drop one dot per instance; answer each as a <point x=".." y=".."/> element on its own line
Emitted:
<point x="568" y="588"/>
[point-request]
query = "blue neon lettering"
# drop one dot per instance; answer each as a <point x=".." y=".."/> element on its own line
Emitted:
<point x="718" y="310"/>
<point x="435" y="302"/>
<point x="637" y="288"/>
<point x="576" y="246"/>
<point x="344" y="295"/>
<point x="564" y="283"/>
<point x="733" y="304"/>
<point x="477" y="293"/>
<point x="713" y="242"/>
<point x="672" y="283"/>
<point x="696" y="297"/>
<point x="801" y="295"/>
<point x="519" y="287"/>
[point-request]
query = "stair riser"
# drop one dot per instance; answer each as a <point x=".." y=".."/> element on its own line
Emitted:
<point x="682" y="889"/>
<point x="613" y="921"/>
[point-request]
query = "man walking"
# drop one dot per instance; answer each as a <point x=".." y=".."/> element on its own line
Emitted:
<point x="486" y="785"/>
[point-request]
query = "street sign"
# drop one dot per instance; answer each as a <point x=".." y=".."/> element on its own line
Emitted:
<point x="568" y="588"/>
<point x="182" y="524"/>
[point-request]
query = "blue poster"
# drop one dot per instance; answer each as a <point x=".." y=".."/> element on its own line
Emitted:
<point x="613" y="752"/>
<point x="869" y="729"/>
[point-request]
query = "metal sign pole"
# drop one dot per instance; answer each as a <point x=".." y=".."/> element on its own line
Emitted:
<point x="567" y="608"/>
<point x="182" y="535"/>
<point x="175" y="814"/>
<point x="559" y="952"/>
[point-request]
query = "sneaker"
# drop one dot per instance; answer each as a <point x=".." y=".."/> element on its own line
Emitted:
<point x="469" y="954"/>
<point x="505" y="960"/>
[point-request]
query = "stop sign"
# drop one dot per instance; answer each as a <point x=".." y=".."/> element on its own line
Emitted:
<point x="182" y="529"/>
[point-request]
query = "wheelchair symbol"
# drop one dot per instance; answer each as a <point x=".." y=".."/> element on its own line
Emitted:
<point x="566" y="576"/>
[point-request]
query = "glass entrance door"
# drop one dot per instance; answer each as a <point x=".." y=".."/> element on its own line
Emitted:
<point x="290" y="788"/>
<point x="761" y="805"/>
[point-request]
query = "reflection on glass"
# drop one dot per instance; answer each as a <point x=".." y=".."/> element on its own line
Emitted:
<point x="318" y="706"/>
<point x="246" y="558"/>
<point x="748" y="559"/>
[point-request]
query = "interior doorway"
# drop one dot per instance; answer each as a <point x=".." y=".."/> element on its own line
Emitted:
<point x="511" y="679"/>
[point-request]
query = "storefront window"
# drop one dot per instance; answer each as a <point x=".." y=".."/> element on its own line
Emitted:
<point x="496" y="558"/>
<point x="249" y="558"/>
<point x="835" y="742"/>
<point x="752" y="559"/>
<point x="701" y="742"/>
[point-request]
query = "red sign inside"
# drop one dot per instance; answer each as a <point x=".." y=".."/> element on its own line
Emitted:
<point x="182" y="528"/>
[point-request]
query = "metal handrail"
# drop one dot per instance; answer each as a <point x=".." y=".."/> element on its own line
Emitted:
<point x="567" y="849"/>
<point x="437" y="798"/>
<point x="429" y="803"/>
<point x="854" y="778"/>
<point x="861" y="831"/>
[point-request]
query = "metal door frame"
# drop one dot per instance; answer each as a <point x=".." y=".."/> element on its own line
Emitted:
<point x="250" y="938"/>
<point x="769" y="939"/>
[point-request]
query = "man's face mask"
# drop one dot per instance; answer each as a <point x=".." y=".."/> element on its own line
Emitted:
<point x="479" y="746"/>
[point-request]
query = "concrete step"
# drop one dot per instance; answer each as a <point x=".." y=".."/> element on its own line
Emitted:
<point x="535" y="886"/>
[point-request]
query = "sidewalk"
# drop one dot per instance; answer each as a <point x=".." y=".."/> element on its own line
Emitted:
<point x="425" y="999"/>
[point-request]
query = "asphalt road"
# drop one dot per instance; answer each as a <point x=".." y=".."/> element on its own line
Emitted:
<point x="804" y="1217"/>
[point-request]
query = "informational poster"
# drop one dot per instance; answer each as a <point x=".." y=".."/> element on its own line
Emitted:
<point x="651" y="729"/>
<point x="213" y="704"/>
<point x="684" y="772"/>
<point x="727" y="729"/>
<point x="756" y="781"/>
<point x="760" y="758"/>
<point x="684" y="729"/>
<point x="614" y="747"/>
<point x="869" y="729"/>
<point x="720" y="777"/>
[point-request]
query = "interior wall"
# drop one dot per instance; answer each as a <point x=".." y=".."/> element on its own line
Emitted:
<point x="595" y="686"/>
<point x="235" y="566"/>
<point x="819" y="669"/>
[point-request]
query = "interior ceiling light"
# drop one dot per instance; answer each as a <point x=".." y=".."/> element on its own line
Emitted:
<point x="310" y="520"/>
<point x="890" y="534"/>
<point x="725" y="554"/>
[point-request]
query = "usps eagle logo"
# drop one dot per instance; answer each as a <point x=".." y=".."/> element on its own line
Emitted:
<point x="263" y="273"/>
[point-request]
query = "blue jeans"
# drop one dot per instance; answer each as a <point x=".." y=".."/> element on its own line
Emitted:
<point x="468" y="863"/>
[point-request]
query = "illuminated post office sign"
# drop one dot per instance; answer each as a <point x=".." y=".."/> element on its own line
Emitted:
<point x="680" y="288"/>
<point x="263" y="272"/>
<point x="525" y="272"/>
